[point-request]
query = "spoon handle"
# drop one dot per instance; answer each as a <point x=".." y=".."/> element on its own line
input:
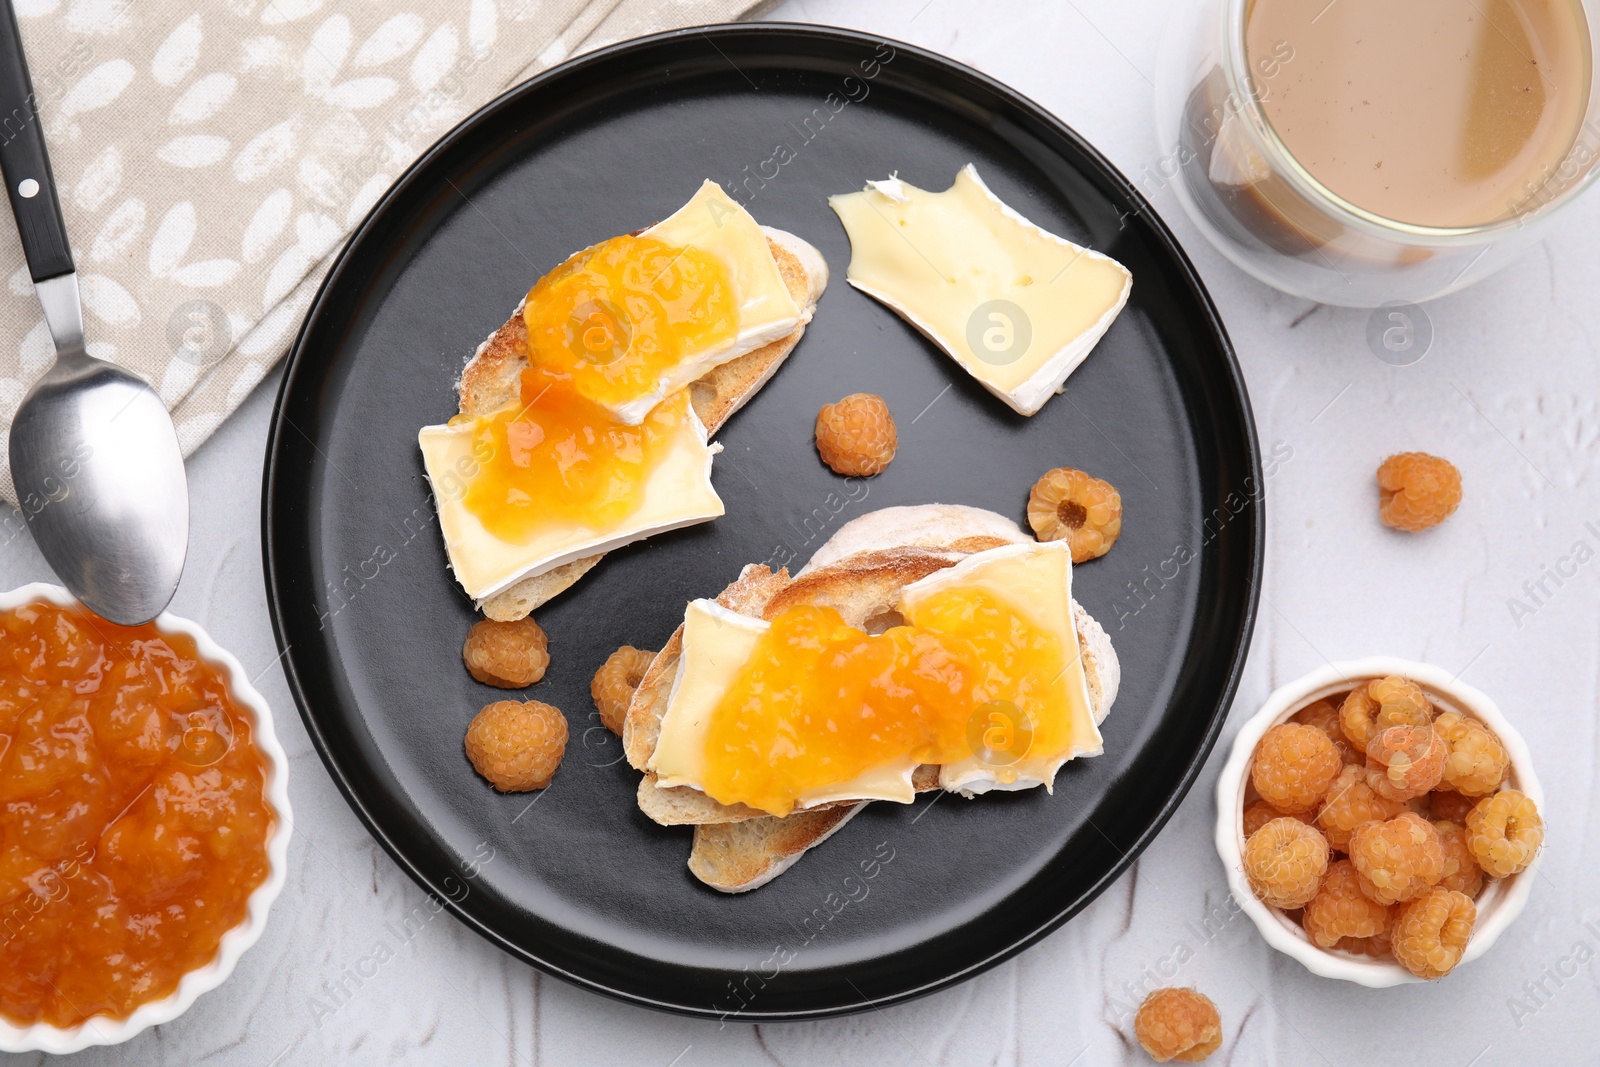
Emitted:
<point x="25" y="163"/>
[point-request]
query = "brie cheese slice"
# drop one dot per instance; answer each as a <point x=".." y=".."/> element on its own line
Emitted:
<point x="1033" y="579"/>
<point x="1017" y="306"/>
<point x="677" y="493"/>
<point x="716" y="644"/>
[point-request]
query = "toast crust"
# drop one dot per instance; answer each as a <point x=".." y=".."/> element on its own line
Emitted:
<point x="739" y="857"/>
<point x="492" y="379"/>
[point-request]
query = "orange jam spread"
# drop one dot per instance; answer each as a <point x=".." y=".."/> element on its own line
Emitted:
<point x="604" y="328"/>
<point x="819" y="702"/>
<point x="133" y="827"/>
<point x="561" y="459"/>
<point x="614" y="319"/>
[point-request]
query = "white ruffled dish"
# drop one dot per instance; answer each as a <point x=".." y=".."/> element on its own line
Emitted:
<point x="102" y="1030"/>
<point x="1500" y="902"/>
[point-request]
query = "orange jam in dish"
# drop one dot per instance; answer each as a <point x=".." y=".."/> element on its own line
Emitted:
<point x="819" y="702"/>
<point x="612" y="321"/>
<point x="133" y="825"/>
<point x="561" y="460"/>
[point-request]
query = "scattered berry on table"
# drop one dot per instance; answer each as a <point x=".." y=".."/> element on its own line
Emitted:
<point x="517" y="746"/>
<point x="1178" y="1024"/>
<point x="1285" y="861"/>
<point x="1417" y="491"/>
<point x="615" y="681"/>
<point x="1504" y="832"/>
<point x="856" y="436"/>
<point x="508" y="655"/>
<point x="1067" y="504"/>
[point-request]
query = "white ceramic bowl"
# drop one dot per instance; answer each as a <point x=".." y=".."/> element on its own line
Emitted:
<point x="1499" y="903"/>
<point x="101" y="1030"/>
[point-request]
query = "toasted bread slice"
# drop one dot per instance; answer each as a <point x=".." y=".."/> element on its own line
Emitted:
<point x="951" y="527"/>
<point x="737" y="847"/>
<point x="493" y="378"/>
<point x="738" y="857"/>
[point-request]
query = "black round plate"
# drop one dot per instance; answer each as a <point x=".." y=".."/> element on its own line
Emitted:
<point x="903" y="900"/>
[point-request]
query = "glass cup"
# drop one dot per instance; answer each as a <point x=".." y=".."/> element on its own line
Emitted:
<point x="1265" y="211"/>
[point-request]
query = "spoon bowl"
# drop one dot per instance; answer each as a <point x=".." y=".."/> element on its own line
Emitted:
<point x="100" y="479"/>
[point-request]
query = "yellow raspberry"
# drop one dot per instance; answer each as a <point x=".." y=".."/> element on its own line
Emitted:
<point x="1285" y="861"/>
<point x="507" y="655"/>
<point x="856" y="436"/>
<point x="1324" y="715"/>
<point x="1067" y="504"/>
<point x="1380" y="704"/>
<point x="517" y="747"/>
<point x="1178" y="1024"/>
<point x="1351" y="802"/>
<point x="1405" y="762"/>
<point x="615" y="681"/>
<point x="1293" y="767"/>
<point x="1431" y="933"/>
<point x="1445" y="805"/>
<point x="1504" y="832"/>
<point x="1417" y="491"/>
<point x="1260" y="813"/>
<point x="1340" y="909"/>
<point x="1377" y="946"/>
<point x="1461" y="870"/>
<point x="1477" y="761"/>
<point x="1398" y="859"/>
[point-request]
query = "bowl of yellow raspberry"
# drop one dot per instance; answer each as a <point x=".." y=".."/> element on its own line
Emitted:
<point x="1380" y="821"/>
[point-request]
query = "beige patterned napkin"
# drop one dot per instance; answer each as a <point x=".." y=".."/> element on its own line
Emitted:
<point x="212" y="155"/>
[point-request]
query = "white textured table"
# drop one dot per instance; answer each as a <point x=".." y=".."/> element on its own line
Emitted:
<point x="1509" y="392"/>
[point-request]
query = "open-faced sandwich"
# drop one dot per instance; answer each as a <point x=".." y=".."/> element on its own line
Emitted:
<point x="585" y="419"/>
<point x="921" y="648"/>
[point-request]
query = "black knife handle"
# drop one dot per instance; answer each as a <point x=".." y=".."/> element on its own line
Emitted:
<point x="25" y="163"/>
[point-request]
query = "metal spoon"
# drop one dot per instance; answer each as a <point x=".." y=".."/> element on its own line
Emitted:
<point x="94" y="457"/>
